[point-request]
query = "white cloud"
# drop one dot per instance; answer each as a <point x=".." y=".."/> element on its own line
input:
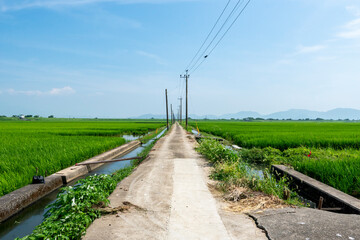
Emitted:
<point x="355" y="10"/>
<point x="53" y="92"/>
<point x="352" y="29"/>
<point x="158" y="59"/>
<point x="309" y="49"/>
<point x="62" y="91"/>
<point x="11" y="5"/>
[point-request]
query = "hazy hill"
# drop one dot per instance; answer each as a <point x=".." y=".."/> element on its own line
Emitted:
<point x="295" y="114"/>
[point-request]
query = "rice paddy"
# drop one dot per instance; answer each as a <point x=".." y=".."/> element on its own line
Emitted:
<point x="326" y="151"/>
<point x="28" y="147"/>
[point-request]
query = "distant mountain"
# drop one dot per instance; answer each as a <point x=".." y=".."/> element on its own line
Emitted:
<point x="294" y="114"/>
<point x="342" y="113"/>
<point x="150" y="116"/>
<point x="335" y="114"/>
<point x="241" y="115"/>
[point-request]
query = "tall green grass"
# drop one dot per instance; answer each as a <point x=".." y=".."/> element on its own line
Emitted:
<point x="50" y="146"/>
<point x="334" y="146"/>
<point x="284" y="135"/>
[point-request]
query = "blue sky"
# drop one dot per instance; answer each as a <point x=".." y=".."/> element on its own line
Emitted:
<point x="108" y="58"/>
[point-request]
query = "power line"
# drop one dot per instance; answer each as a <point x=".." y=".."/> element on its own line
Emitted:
<point x="209" y="34"/>
<point x="242" y="10"/>
<point x="218" y="32"/>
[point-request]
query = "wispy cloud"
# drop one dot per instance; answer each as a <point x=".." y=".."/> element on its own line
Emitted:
<point x="155" y="57"/>
<point x="351" y="30"/>
<point x="53" y="92"/>
<point x="309" y="49"/>
<point x="11" y="5"/>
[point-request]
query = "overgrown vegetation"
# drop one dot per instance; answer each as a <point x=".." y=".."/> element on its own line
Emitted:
<point x="52" y="145"/>
<point x="74" y="210"/>
<point x="231" y="169"/>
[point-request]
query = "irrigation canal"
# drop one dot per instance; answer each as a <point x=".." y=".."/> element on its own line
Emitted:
<point x="25" y="221"/>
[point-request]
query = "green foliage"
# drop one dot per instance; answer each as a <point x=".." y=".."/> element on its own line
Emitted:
<point x="254" y="155"/>
<point x="215" y="152"/>
<point x="231" y="169"/>
<point x="334" y="147"/>
<point x="73" y="211"/>
<point x="284" y="135"/>
<point x="51" y="145"/>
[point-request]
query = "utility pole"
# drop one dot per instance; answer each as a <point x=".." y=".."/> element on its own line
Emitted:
<point x="167" y="111"/>
<point x="180" y="98"/>
<point x="172" y="120"/>
<point x="186" y="76"/>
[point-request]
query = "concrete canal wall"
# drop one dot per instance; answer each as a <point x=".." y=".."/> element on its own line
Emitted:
<point x="19" y="199"/>
<point x="313" y="190"/>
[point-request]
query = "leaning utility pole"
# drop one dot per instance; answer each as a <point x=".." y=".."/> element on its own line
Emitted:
<point x="167" y="111"/>
<point x="186" y="76"/>
<point x="180" y="98"/>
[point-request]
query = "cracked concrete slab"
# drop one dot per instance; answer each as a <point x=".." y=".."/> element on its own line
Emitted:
<point x="307" y="224"/>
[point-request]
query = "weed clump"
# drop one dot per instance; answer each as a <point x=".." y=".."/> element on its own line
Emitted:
<point x="232" y="170"/>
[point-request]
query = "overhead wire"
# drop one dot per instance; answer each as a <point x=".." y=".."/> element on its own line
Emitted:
<point x="207" y="37"/>
<point x="235" y="8"/>
<point x="222" y="37"/>
<point x="242" y="10"/>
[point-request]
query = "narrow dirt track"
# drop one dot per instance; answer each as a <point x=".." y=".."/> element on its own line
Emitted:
<point x="171" y="200"/>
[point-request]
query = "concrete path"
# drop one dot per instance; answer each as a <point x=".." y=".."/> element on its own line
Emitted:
<point x="171" y="198"/>
<point x="308" y="224"/>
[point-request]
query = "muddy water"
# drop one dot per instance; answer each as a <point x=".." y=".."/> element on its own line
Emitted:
<point x="24" y="223"/>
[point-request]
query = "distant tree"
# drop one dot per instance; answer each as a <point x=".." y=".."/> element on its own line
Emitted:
<point x="248" y="119"/>
<point x="319" y="119"/>
<point x="15" y="116"/>
<point x="28" y="116"/>
<point x="259" y="119"/>
<point x="51" y="116"/>
<point x="36" y="116"/>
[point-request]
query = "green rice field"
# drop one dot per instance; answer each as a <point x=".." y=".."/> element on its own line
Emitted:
<point x="334" y="147"/>
<point x="51" y="145"/>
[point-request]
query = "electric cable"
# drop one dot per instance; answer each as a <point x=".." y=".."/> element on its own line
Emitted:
<point x="222" y="37"/>
<point x="217" y="21"/>
<point x="218" y="32"/>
